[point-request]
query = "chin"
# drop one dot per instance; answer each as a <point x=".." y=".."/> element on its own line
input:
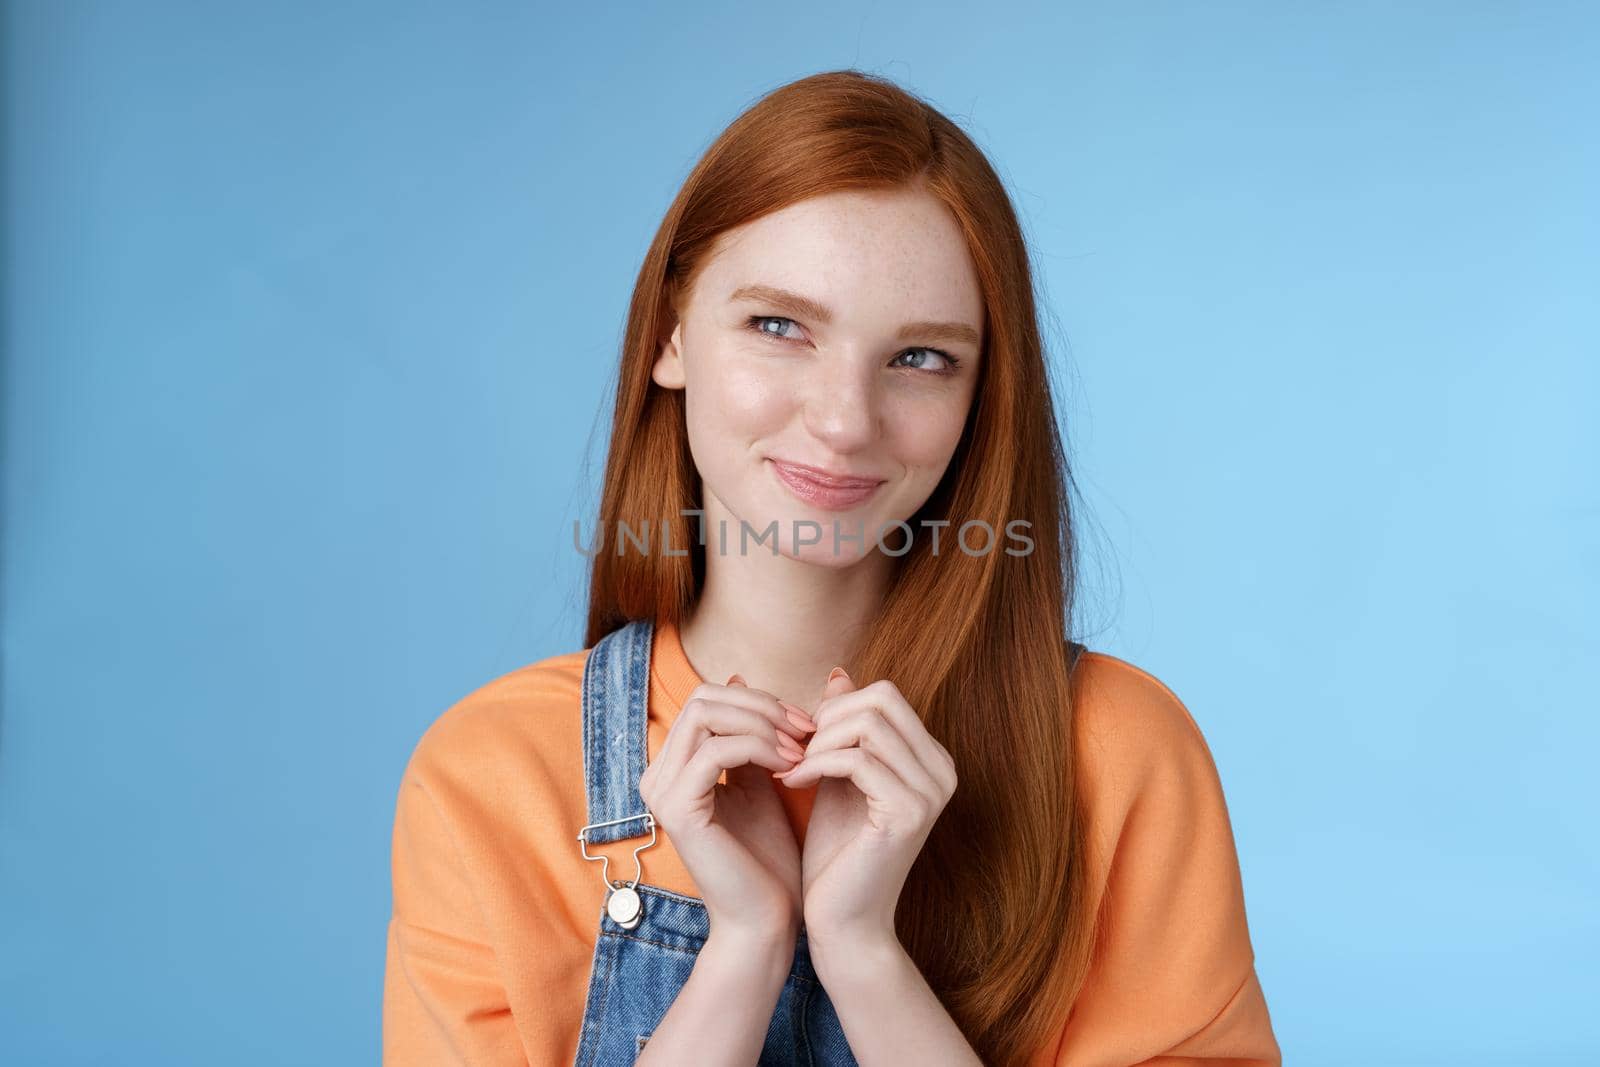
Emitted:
<point x="823" y="553"/>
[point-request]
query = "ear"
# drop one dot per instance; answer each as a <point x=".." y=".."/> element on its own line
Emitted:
<point x="668" y="369"/>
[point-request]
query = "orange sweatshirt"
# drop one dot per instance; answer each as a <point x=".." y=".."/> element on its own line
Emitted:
<point x="496" y="913"/>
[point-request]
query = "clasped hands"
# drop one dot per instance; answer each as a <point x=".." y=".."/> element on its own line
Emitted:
<point x="882" y="780"/>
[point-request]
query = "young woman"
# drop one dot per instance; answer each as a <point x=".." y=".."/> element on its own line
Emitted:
<point x="829" y="783"/>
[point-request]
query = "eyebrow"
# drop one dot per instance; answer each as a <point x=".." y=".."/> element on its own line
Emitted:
<point x="808" y="308"/>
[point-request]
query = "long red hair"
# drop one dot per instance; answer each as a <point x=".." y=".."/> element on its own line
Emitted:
<point x="996" y="910"/>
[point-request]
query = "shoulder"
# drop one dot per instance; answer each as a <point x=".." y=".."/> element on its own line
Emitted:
<point x="513" y="724"/>
<point x="1173" y="979"/>
<point x="1135" y="737"/>
<point x="483" y="790"/>
<point x="1118" y="701"/>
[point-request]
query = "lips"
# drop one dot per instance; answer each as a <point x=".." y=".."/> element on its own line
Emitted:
<point x="822" y="476"/>
<point x="824" y="489"/>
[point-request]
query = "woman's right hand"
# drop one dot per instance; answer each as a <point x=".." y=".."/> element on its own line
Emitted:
<point x="735" y="839"/>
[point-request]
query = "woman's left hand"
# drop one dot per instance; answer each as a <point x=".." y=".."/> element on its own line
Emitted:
<point x="883" y="781"/>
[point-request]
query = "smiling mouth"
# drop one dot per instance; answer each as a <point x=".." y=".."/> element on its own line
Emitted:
<point x="824" y="490"/>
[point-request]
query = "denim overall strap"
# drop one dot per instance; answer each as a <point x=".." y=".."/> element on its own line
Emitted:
<point x="616" y="696"/>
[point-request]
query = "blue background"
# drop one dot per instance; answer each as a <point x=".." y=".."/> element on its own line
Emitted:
<point x="310" y="322"/>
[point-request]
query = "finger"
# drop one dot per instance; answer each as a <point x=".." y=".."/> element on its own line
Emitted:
<point x="740" y="693"/>
<point x="722" y="753"/>
<point x="789" y="718"/>
<point x="838" y="686"/>
<point x="884" y="790"/>
<point x="675" y="752"/>
<point x="680" y="742"/>
<point x="701" y="719"/>
<point x="867" y="728"/>
<point x="750" y="774"/>
<point x="839" y="682"/>
<point x="887" y="698"/>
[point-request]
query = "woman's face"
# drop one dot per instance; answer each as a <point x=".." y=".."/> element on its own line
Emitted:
<point x="840" y="334"/>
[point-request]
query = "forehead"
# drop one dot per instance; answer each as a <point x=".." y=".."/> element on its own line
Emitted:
<point x="861" y="252"/>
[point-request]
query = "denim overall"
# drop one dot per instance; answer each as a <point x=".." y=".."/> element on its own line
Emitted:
<point x="638" y="970"/>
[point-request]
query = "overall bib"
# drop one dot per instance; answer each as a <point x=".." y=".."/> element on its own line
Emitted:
<point x="642" y="962"/>
<point x="639" y="970"/>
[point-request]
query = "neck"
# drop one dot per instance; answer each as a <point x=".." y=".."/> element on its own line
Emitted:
<point x="780" y="623"/>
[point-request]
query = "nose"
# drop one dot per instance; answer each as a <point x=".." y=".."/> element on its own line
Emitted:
<point x="841" y="409"/>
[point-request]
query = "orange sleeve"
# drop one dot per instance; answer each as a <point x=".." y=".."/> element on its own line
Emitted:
<point x="443" y="1000"/>
<point x="1174" y="979"/>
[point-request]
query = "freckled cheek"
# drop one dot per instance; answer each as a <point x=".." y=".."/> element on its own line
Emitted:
<point x="740" y="399"/>
<point x="924" y="438"/>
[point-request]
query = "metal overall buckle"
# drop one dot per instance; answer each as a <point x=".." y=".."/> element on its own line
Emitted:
<point x="622" y="899"/>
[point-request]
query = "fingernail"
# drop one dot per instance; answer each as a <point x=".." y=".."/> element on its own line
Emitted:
<point x="838" y="672"/>
<point x="785" y="774"/>
<point x="735" y="679"/>
<point x="790" y="747"/>
<point x="798" y="716"/>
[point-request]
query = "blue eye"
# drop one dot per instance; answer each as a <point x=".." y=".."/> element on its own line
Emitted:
<point x="950" y="362"/>
<point x="758" y="324"/>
